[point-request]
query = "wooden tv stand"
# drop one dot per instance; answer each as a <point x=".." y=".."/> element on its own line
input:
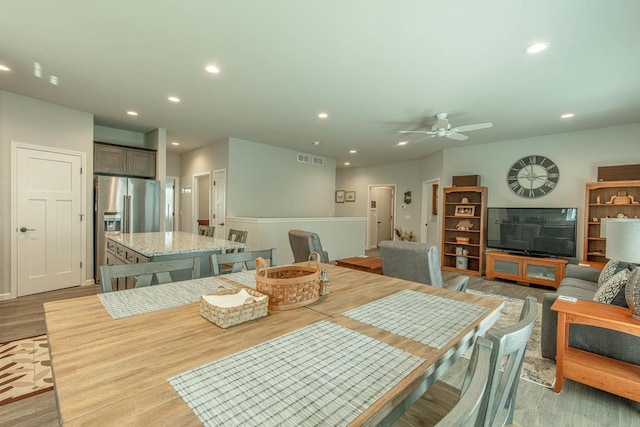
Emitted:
<point x="525" y="269"/>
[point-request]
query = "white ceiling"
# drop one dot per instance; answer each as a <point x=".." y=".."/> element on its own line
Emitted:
<point x="374" y="66"/>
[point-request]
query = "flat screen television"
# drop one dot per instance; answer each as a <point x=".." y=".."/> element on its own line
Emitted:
<point x="533" y="231"/>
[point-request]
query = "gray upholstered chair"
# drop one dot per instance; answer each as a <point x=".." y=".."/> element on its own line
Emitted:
<point x="147" y="273"/>
<point x="418" y="262"/>
<point x="305" y="242"/>
<point x="240" y="260"/>
<point x="465" y="412"/>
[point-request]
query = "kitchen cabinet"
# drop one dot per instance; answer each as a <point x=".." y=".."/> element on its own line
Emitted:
<point x="116" y="160"/>
<point x="118" y="254"/>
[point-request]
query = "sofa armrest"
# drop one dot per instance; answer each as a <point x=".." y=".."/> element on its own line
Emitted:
<point x="548" y="327"/>
<point x="582" y="272"/>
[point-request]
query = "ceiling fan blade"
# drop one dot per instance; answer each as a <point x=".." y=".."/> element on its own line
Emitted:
<point x="456" y="136"/>
<point x="423" y="138"/>
<point x="428" y="132"/>
<point x="468" y="128"/>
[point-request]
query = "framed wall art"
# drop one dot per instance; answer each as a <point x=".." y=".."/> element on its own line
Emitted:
<point x="350" y="196"/>
<point x="339" y="196"/>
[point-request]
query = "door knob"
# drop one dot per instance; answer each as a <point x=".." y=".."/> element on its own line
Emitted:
<point x="25" y="229"/>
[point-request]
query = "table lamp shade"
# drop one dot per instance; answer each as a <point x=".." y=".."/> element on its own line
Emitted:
<point x="623" y="239"/>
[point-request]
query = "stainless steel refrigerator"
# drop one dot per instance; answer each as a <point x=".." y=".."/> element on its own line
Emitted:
<point x="125" y="205"/>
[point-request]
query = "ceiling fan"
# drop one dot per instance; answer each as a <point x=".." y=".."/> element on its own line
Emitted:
<point x="443" y="128"/>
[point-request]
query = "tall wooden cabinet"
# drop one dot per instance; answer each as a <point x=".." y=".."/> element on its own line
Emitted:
<point x="600" y="203"/>
<point x="464" y="205"/>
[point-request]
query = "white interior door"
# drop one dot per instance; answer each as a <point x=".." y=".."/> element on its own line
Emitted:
<point x="385" y="214"/>
<point x="220" y="202"/>
<point x="49" y="220"/>
<point x="430" y="229"/>
<point x="170" y="208"/>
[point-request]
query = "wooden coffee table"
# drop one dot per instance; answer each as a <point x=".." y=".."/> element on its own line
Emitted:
<point x="370" y="264"/>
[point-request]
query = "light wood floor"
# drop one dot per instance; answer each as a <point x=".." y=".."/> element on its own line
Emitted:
<point x="577" y="405"/>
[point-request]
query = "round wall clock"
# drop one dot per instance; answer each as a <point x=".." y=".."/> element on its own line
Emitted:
<point x="533" y="176"/>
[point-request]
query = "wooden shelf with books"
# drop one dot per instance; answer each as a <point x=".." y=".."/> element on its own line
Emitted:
<point x="464" y="225"/>
<point x="606" y="199"/>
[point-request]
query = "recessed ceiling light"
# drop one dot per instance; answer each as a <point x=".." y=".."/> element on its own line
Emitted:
<point x="53" y="80"/>
<point x="212" y="69"/>
<point x="175" y="143"/>
<point x="353" y="151"/>
<point x="567" y="116"/>
<point x="401" y="143"/>
<point x="315" y="143"/>
<point x="173" y="99"/>
<point x="323" y="115"/>
<point x="537" y="47"/>
<point x="347" y="163"/>
<point x="4" y="68"/>
<point x="132" y="113"/>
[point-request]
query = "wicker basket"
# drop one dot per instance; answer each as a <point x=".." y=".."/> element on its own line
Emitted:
<point x="289" y="286"/>
<point x="229" y="316"/>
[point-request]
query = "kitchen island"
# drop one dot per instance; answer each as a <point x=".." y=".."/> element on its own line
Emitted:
<point x="132" y="248"/>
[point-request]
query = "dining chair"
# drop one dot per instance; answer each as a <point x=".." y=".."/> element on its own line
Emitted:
<point x="498" y="402"/>
<point x="148" y="273"/>
<point x="240" y="260"/>
<point x="303" y="243"/>
<point x="465" y="412"/>
<point x="237" y="236"/>
<point x="206" y="230"/>
<point x="417" y="262"/>
<point x="509" y="346"/>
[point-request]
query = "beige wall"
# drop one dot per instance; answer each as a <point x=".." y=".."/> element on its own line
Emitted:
<point x="30" y="121"/>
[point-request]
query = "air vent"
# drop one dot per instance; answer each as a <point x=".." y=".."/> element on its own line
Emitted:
<point x="318" y="161"/>
<point x="304" y="158"/>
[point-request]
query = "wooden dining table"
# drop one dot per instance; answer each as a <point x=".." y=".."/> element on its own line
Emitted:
<point x="115" y="372"/>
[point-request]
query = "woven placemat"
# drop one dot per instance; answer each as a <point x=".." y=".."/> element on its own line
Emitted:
<point x="428" y="319"/>
<point x="132" y="302"/>
<point x="245" y="278"/>
<point x="323" y="374"/>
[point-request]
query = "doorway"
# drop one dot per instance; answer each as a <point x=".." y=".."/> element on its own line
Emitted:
<point x="201" y="200"/>
<point x="171" y="204"/>
<point x="220" y="202"/>
<point x="49" y="243"/>
<point x="430" y="231"/>
<point x="381" y="217"/>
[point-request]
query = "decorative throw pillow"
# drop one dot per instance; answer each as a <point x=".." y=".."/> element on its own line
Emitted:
<point x="610" y="288"/>
<point x="607" y="272"/>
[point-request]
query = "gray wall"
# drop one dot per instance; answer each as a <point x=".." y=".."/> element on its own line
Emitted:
<point x="209" y="158"/>
<point x="406" y="175"/>
<point x="577" y="154"/>
<point x="268" y="182"/>
<point x="35" y="122"/>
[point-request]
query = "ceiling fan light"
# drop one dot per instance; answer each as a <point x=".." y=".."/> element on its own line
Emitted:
<point x="537" y="47"/>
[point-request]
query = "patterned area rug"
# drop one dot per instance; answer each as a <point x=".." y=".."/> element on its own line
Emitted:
<point x="25" y="368"/>
<point x="535" y="368"/>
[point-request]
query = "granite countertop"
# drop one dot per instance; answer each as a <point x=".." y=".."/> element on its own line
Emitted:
<point x="172" y="242"/>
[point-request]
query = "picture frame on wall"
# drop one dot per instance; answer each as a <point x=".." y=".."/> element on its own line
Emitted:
<point x="465" y="210"/>
<point x="339" y="196"/>
<point x="350" y="196"/>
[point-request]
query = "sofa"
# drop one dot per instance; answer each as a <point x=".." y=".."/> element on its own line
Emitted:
<point x="582" y="283"/>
